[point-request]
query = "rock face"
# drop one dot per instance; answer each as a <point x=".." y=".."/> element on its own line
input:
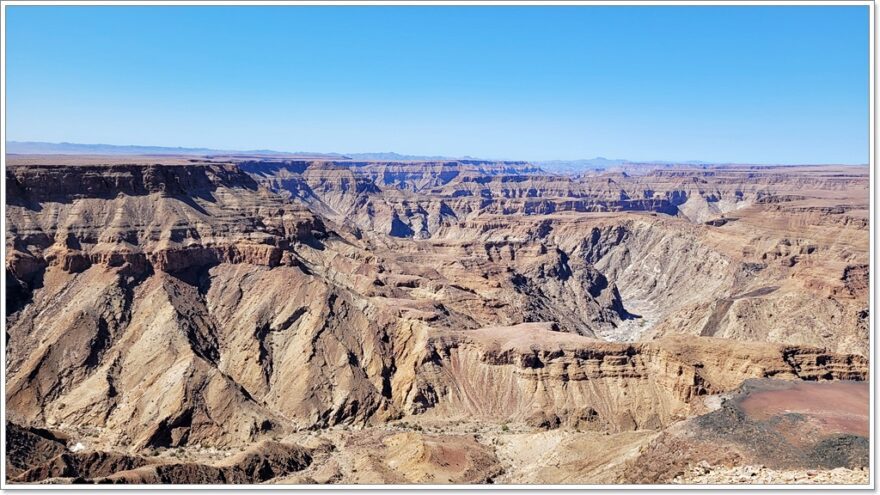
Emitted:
<point x="211" y="308"/>
<point x="523" y="373"/>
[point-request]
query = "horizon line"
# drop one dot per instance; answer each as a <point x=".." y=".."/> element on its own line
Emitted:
<point x="342" y="156"/>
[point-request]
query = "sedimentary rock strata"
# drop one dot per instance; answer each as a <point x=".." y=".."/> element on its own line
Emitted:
<point x="237" y="321"/>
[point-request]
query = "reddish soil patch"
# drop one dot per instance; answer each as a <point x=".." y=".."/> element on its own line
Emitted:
<point x="834" y="407"/>
<point x="449" y="457"/>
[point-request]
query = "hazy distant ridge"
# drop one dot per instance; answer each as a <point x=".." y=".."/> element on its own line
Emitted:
<point x="45" y="148"/>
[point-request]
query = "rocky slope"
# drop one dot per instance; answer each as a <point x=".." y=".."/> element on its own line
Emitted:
<point x="183" y="307"/>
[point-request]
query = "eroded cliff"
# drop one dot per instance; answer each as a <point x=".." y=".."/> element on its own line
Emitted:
<point x="214" y="305"/>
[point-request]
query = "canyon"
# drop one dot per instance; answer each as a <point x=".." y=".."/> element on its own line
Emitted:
<point x="253" y="319"/>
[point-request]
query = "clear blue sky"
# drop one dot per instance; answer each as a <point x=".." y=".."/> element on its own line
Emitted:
<point x="738" y="84"/>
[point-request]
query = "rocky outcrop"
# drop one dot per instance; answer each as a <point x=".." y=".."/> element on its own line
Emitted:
<point x="261" y="463"/>
<point x="29" y="447"/>
<point x="48" y="459"/>
<point x="35" y="184"/>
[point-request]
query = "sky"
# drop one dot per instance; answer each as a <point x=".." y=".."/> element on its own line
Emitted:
<point x="755" y="84"/>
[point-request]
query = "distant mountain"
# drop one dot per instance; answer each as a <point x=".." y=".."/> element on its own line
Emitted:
<point x="43" y="148"/>
<point x="559" y="166"/>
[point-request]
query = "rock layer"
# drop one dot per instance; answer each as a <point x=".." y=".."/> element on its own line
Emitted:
<point x="220" y="305"/>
